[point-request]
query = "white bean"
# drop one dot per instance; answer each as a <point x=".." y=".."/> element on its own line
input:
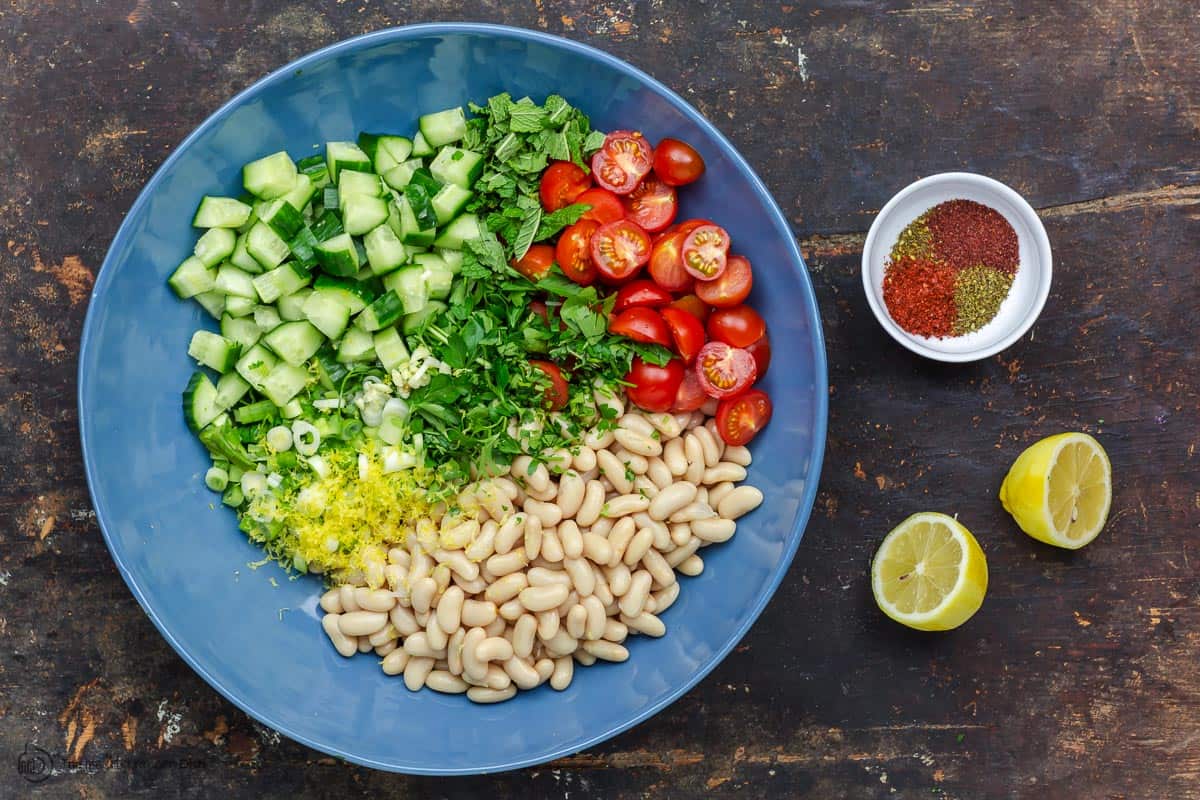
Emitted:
<point x="623" y="531"/>
<point x="595" y="619"/>
<point x="545" y="668"/>
<point x="473" y="668"/>
<point x="724" y="471"/>
<point x="666" y="424"/>
<point x="634" y="421"/>
<point x="422" y="594"/>
<point x="673" y="456"/>
<point x="506" y="588"/>
<point x="478" y="613"/>
<point x="548" y="622"/>
<point x="614" y="471"/>
<point x="511" y="610"/>
<point x="658" y="568"/>
<point x="484" y="544"/>
<point x="345" y="645"/>
<point x="659" y="474"/>
<point x="561" y="643"/>
<point x="387" y="647"/>
<point x="741" y="500"/>
<point x="494" y="648"/>
<point x="636" y="462"/>
<point x="346" y="596"/>
<point x="418" y="646"/>
<point x="524" y="635"/>
<point x="482" y="694"/>
<point x="446" y="682"/>
<point x="571" y="490"/>
<point x="457" y="561"/>
<point x="738" y="454"/>
<point x="395" y="662"/>
<point x="403" y="621"/>
<point x="549" y="513"/>
<point x="511" y="530"/>
<point x="598" y="440"/>
<point x="416" y="671"/>
<point x="638" y="546"/>
<point x="672" y="499"/>
<point x="583" y="461"/>
<point x="384" y="635"/>
<point x="596" y="548"/>
<point x="714" y="529"/>
<point x="584" y="658"/>
<point x="581" y="576"/>
<point x="512" y="561"/>
<point x="551" y="546"/>
<point x="606" y="650"/>
<point x="639" y="589"/>
<point x="712" y="451"/>
<point x="646" y="623"/>
<point x="683" y="552"/>
<point x="716" y="494"/>
<point x="641" y="444"/>
<point x="692" y="566"/>
<point x="541" y="576"/>
<point x="589" y="508"/>
<point x="665" y="598"/>
<point x="692" y="512"/>
<point x="361" y="623"/>
<point x="543" y="598"/>
<point x="449" y="609"/>
<point x="522" y="673"/>
<point x="454" y="651"/>
<point x="694" y="451"/>
<point x="564" y="670"/>
<point x="618" y="579"/>
<point x="576" y="621"/>
<point x="615" y="630"/>
<point x="571" y="539"/>
<point x="625" y="504"/>
<point x="681" y="534"/>
<point x="331" y="602"/>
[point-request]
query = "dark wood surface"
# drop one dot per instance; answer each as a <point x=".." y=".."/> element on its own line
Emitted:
<point x="1079" y="677"/>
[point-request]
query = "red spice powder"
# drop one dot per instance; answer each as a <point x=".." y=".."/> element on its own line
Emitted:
<point x="919" y="294"/>
<point x="965" y="233"/>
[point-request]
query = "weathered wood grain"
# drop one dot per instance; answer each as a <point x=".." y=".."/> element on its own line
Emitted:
<point x="1078" y="678"/>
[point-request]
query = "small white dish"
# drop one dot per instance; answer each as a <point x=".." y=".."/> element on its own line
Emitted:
<point x="1030" y="288"/>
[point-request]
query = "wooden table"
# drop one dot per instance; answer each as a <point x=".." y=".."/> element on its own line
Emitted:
<point x="1078" y="678"/>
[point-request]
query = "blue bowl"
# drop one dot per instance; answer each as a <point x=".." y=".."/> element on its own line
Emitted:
<point x="180" y="551"/>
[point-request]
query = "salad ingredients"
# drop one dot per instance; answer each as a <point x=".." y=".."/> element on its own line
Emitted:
<point x="622" y="161"/>
<point x="740" y="326"/>
<point x="731" y="288"/>
<point x="687" y="333"/>
<point x="642" y="325"/>
<point x="561" y="185"/>
<point x="725" y="371"/>
<point x="978" y="293"/>
<point x="1059" y="490"/>
<point x="677" y="163"/>
<point x="740" y="418"/>
<point x="704" y="250"/>
<point x="652" y="205"/>
<point x="619" y="249"/>
<point x="574" y="255"/>
<point x="652" y="386"/>
<point x="641" y="293"/>
<point x="605" y="206"/>
<point x="666" y="263"/>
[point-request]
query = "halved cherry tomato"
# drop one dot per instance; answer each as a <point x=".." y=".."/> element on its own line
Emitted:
<point x="666" y="263"/>
<point x="642" y="325"/>
<point x="605" y="206"/>
<point x="694" y="306"/>
<point x="653" y="387"/>
<point x="740" y="418"/>
<point x="539" y="308"/>
<point x="723" y="370"/>
<point x="691" y="394"/>
<point x="619" y="249"/>
<point x="677" y="162"/>
<point x="641" y="293"/>
<point x="536" y="262"/>
<point x="686" y="331"/>
<point x="574" y="253"/>
<point x="622" y="161"/>
<point x="653" y="204"/>
<point x="761" y="350"/>
<point x="731" y="287"/>
<point x="557" y="393"/>
<point x="704" y="251"/>
<point x="562" y="182"/>
<point x="740" y="326"/>
<point x="689" y="225"/>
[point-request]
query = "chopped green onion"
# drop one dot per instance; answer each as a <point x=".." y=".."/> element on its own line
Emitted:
<point x="216" y="479"/>
<point x="279" y="438"/>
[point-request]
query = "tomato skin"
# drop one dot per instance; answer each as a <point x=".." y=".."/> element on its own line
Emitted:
<point x="562" y="182"/>
<point x="536" y="263"/>
<point x="694" y="306"/>
<point x="653" y="387"/>
<point x="557" y="393"/>
<point x="689" y="225"/>
<point x="677" y="163"/>
<point x="761" y="350"/>
<point x="725" y="371"/>
<point x="619" y="249"/>
<point x="740" y="326"/>
<point x="666" y="263"/>
<point x="690" y="395"/>
<point x="653" y="204"/>
<point x="739" y="419"/>
<point x="574" y="253"/>
<point x="686" y="331"/>
<point x="705" y="250"/>
<point x="621" y="163"/>
<point x="605" y="206"/>
<point x="642" y="325"/>
<point x="732" y="287"/>
<point x="641" y="293"/>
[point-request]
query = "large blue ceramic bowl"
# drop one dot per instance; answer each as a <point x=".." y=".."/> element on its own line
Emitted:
<point x="260" y="644"/>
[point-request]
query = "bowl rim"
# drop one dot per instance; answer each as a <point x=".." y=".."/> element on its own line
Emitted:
<point x="821" y="381"/>
<point x="1041" y="243"/>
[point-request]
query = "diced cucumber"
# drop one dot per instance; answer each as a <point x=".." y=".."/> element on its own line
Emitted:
<point x="291" y="409"/>
<point x="385" y="251"/>
<point x="352" y="294"/>
<point x="361" y="213"/>
<point x="284" y="218"/>
<point x="239" y="329"/>
<point x="386" y="310"/>
<point x="220" y="212"/>
<point x="421" y="148"/>
<point x="326" y="226"/>
<point x="215" y="246"/>
<point x="452" y="258"/>
<point x="231" y="280"/>
<point x="345" y="155"/>
<point x="230" y="388"/>
<point x="294" y="342"/>
<point x="284" y="382"/>
<point x="420" y="203"/>
<point x="356" y="345"/>
<point x="413" y="322"/>
<point x="402" y="174"/>
<point x="327" y="313"/>
<point x="291" y="306"/>
<point x="303" y="246"/>
<point x="316" y="169"/>
<point x="390" y="348"/>
<point x="266" y="318"/>
<point x="443" y="127"/>
<point x="330" y="199"/>
<point x="192" y="277"/>
<point x="200" y="402"/>
<point x="409" y="285"/>
<point x="239" y="306"/>
<point x="437" y="275"/>
<point x="213" y="302"/>
<point x="290" y="277"/>
<point x="270" y="177"/>
<point x="449" y="202"/>
<point x="424" y="178"/>
<point x="457" y="166"/>
<point x="338" y="256"/>
<point x="385" y="151"/>
<point x="302" y="193"/>
<point x="464" y="228"/>
<point x="267" y="247"/>
<point x="256" y="364"/>
<point x="241" y="257"/>
<point x="213" y="350"/>
<point x="352" y="183"/>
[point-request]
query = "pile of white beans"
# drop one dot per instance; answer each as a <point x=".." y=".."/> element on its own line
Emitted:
<point x="546" y="568"/>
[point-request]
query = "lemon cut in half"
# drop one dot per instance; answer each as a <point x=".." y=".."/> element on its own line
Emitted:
<point x="929" y="573"/>
<point x="1060" y="489"/>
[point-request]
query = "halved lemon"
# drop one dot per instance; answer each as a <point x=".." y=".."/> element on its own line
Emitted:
<point x="929" y="573"/>
<point x="1060" y="489"/>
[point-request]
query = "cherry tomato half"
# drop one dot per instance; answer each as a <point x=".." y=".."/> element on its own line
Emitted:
<point x="574" y="253"/>
<point x="689" y="225"/>
<point x="740" y="418"/>
<point x="619" y="249"/>
<point x="536" y="263"/>
<point x="605" y="206"/>
<point x="704" y="251"/>
<point x="653" y="387"/>
<point x="686" y="331"/>
<point x="690" y="395"/>
<point x="694" y="306"/>
<point x="642" y="325"/>
<point x="731" y="288"/>
<point x="723" y="370"/>
<point x="666" y="263"/>
<point x="653" y="204"/>
<point x="557" y="393"/>
<point x="562" y="182"/>
<point x="740" y="326"/>
<point x="677" y="162"/>
<point x="641" y="293"/>
<point x="761" y="350"/>
<point x="621" y="163"/>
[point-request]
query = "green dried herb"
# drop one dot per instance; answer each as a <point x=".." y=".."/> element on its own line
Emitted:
<point x="978" y="293"/>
